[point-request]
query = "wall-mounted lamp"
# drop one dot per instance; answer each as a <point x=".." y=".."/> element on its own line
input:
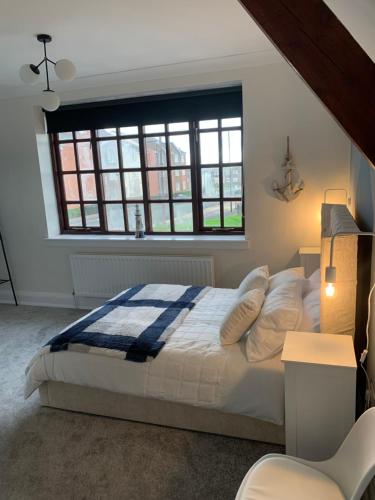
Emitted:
<point x="330" y="271"/>
<point x="64" y="69"/>
<point x="330" y="279"/>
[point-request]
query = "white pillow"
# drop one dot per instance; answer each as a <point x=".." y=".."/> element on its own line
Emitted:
<point x="285" y="276"/>
<point x="281" y="311"/>
<point x="257" y="278"/>
<point x="311" y="312"/>
<point x="241" y="316"/>
<point x="312" y="283"/>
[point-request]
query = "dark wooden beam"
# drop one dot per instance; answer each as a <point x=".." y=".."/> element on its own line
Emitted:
<point x="328" y="59"/>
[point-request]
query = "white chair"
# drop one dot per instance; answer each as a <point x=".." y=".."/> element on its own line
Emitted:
<point x="345" y="476"/>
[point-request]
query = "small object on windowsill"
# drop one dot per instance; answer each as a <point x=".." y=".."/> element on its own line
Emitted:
<point x="139" y="231"/>
<point x="292" y="186"/>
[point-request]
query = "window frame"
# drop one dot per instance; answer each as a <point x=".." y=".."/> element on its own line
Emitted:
<point x="195" y="167"/>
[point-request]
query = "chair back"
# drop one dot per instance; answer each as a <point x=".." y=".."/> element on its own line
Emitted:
<point x="353" y="466"/>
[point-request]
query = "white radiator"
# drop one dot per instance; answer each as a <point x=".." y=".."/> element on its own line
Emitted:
<point x="104" y="276"/>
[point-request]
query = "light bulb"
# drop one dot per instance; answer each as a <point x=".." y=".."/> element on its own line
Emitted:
<point x="330" y="290"/>
<point x="49" y="100"/>
<point x="65" y="69"/>
<point x="29" y="73"/>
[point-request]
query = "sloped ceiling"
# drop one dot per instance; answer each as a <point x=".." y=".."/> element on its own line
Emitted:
<point x="327" y="57"/>
<point x="358" y="16"/>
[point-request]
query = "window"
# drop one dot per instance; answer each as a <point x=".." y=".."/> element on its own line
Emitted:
<point x="186" y="177"/>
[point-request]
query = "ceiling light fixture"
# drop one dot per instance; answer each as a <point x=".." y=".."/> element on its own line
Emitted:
<point x="64" y="69"/>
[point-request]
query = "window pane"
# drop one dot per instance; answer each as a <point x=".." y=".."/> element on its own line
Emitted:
<point x="160" y="217"/>
<point x="179" y="150"/>
<point x="181" y="183"/>
<point x="92" y="215"/>
<point x="232" y="180"/>
<point x="108" y="155"/>
<point x="129" y="130"/>
<point x="112" y="186"/>
<point x="88" y="187"/>
<point x="210" y="183"/>
<point x="156" y="155"/>
<point x="83" y="134"/>
<point x="85" y="156"/>
<point x="158" y="184"/>
<point x="130" y="153"/>
<point x="74" y="215"/>
<point x="231" y="140"/>
<point x="183" y="217"/>
<point x="153" y="129"/>
<point x="209" y="148"/>
<point x="178" y="127"/>
<point x="71" y="187"/>
<point x="131" y="215"/>
<point x="231" y="122"/>
<point x="211" y="214"/>
<point x="133" y="185"/>
<point x="106" y="132"/>
<point x="65" y="136"/>
<point x="232" y="213"/>
<point x="208" y="124"/>
<point x="115" y="217"/>
<point x="68" y="160"/>
<point x="157" y="181"/>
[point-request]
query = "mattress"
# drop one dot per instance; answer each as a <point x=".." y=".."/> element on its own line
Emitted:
<point x="193" y="368"/>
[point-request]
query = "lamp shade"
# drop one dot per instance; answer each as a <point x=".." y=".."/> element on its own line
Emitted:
<point x="65" y="69"/>
<point x="49" y="100"/>
<point x="27" y="75"/>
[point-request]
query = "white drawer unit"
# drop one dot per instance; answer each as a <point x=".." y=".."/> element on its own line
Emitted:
<point x="320" y="393"/>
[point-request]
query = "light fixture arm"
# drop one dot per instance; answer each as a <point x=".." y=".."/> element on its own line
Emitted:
<point x="46" y="63"/>
<point x="334" y="236"/>
<point x="45" y="59"/>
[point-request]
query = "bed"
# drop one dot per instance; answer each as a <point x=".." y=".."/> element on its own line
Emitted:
<point x="194" y="382"/>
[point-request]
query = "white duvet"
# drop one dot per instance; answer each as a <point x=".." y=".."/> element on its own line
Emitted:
<point x="192" y="368"/>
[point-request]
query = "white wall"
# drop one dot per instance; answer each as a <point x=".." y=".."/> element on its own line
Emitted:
<point x="276" y="104"/>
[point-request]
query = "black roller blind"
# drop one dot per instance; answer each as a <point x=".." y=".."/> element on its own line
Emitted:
<point x="176" y="107"/>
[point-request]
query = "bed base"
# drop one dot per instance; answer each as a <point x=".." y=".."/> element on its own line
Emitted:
<point x="152" y="411"/>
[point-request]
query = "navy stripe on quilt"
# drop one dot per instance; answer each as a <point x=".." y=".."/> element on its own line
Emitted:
<point x="147" y="343"/>
<point x="61" y="342"/>
<point x="137" y="348"/>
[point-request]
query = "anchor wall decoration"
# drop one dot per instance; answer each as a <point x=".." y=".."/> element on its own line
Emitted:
<point x="292" y="186"/>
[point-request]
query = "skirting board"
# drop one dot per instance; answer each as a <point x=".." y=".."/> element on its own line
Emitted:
<point x="153" y="411"/>
<point x="44" y="299"/>
<point x="48" y="299"/>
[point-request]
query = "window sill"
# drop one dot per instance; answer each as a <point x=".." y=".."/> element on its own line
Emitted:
<point x="231" y="242"/>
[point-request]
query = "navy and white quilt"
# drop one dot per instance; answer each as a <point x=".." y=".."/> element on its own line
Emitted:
<point x="134" y="325"/>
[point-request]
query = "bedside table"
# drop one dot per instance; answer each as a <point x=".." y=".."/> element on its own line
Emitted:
<point x="320" y="393"/>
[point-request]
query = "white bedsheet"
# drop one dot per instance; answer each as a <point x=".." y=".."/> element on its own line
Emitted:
<point x="192" y="368"/>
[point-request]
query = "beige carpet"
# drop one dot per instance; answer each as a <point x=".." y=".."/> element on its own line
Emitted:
<point x="53" y="454"/>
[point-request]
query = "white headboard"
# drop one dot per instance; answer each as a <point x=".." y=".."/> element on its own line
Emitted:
<point x="338" y="313"/>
